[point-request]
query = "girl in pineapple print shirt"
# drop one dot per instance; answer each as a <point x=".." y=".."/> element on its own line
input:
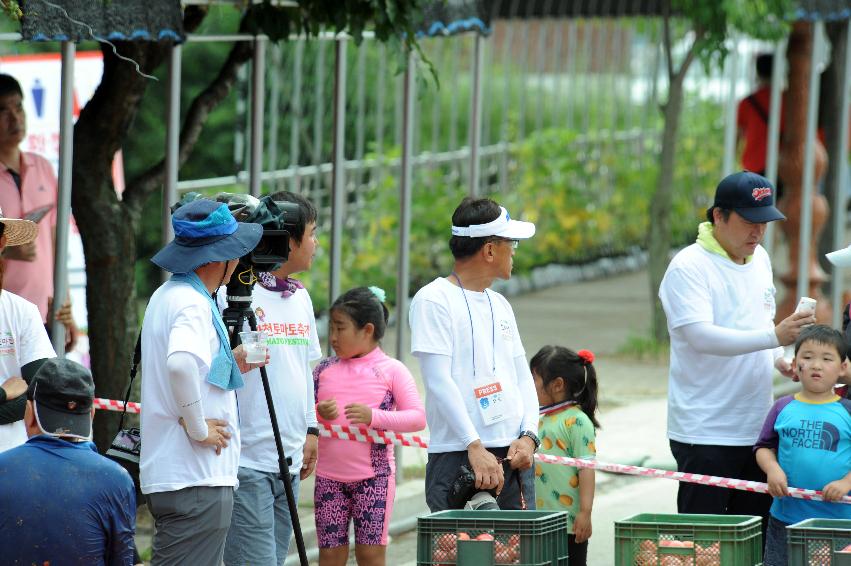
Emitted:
<point x="361" y="386"/>
<point x="566" y="383"/>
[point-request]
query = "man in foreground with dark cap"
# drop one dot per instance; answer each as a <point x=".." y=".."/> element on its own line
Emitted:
<point x="62" y="502"/>
<point x="190" y="436"/>
<point x="718" y="296"/>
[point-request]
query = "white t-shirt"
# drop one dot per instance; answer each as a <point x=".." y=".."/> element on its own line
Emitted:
<point x="293" y="342"/>
<point x="440" y="324"/>
<point x="718" y="399"/>
<point x="23" y="339"/>
<point x="179" y="319"/>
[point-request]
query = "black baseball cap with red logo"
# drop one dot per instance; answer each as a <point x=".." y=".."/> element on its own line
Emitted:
<point x="62" y="392"/>
<point x="750" y="195"/>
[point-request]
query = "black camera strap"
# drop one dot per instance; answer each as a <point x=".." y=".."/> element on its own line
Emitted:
<point x="516" y="474"/>
<point x="137" y="357"/>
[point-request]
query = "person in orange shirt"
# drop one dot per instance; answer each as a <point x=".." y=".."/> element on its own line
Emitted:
<point x="28" y="189"/>
<point x="752" y="118"/>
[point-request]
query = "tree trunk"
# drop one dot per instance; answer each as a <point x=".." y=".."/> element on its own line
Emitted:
<point x="790" y="170"/>
<point x="107" y="222"/>
<point x="659" y="238"/>
<point x="108" y="225"/>
<point x="830" y="108"/>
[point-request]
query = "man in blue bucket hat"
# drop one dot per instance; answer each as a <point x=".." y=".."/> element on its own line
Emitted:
<point x="190" y="449"/>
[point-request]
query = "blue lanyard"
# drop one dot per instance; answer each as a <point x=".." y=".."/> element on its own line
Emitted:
<point x="472" y="333"/>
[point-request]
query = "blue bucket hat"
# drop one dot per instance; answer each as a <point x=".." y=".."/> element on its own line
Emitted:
<point x="205" y="231"/>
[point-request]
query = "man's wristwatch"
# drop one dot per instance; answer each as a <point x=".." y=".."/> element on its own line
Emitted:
<point x="533" y="436"/>
<point x="313" y="430"/>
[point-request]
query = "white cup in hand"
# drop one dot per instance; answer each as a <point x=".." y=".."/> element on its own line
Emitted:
<point x="806" y="304"/>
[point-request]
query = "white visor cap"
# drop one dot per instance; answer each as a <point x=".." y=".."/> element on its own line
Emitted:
<point x="840" y="258"/>
<point x="502" y="227"/>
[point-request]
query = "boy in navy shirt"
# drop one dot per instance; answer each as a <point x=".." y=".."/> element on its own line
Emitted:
<point x="806" y="440"/>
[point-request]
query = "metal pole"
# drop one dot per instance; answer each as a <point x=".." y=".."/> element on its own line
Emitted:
<point x="405" y="189"/>
<point x="172" y="138"/>
<point x="570" y="73"/>
<point x="839" y="198"/>
<point x="360" y="128"/>
<point x="274" y="105"/>
<point x="454" y="71"/>
<point x="258" y="99"/>
<point x="507" y="102"/>
<point x="338" y="185"/>
<point x="729" y="162"/>
<point x="524" y="82"/>
<point x="295" y="127"/>
<point x="475" y="116"/>
<point x="318" y="117"/>
<point x="809" y="164"/>
<point x="543" y="28"/>
<point x="66" y="156"/>
<point x="380" y="95"/>
<point x="778" y="73"/>
<point x="240" y="125"/>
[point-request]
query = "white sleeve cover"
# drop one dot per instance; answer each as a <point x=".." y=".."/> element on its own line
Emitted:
<point x="526" y="385"/>
<point x="443" y="393"/>
<point x="708" y="338"/>
<point x="185" y="380"/>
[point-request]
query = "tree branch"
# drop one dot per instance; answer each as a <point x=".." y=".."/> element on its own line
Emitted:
<point x="142" y="186"/>
<point x="689" y="58"/>
<point x="666" y="37"/>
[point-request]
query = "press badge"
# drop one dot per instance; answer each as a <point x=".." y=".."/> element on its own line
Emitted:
<point x="491" y="401"/>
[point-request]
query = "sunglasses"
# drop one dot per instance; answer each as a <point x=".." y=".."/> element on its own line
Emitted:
<point x="514" y="243"/>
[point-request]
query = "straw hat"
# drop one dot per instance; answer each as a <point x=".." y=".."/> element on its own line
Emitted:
<point x="17" y="231"/>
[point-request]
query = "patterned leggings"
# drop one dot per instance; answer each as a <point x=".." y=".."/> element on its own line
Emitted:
<point x="368" y="502"/>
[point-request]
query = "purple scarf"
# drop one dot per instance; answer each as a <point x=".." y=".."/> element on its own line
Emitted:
<point x="287" y="287"/>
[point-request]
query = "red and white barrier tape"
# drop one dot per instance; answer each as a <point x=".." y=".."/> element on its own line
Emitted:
<point x="113" y="405"/>
<point x="363" y="434"/>
<point x="743" y="485"/>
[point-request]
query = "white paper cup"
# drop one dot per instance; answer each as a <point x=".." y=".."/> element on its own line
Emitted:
<point x="806" y="304"/>
<point x="254" y="344"/>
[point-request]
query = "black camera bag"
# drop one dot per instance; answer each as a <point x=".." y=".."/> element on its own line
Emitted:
<point x="127" y="444"/>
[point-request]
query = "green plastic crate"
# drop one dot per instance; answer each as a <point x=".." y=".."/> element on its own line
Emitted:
<point x="819" y="542"/>
<point x="540" y="537"/>
<point x="648" y="539"/>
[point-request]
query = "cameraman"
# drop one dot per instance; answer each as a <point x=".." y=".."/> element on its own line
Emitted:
<point x="261" y="526"/>
<point x="189" y="457"/>
<point x="481" y="404"/>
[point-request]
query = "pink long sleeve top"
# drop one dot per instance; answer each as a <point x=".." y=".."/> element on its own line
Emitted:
<point x="381" y="383"/>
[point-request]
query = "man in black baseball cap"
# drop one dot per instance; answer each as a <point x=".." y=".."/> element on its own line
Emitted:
<point x="62" y="394"/>
<point x="718" y="296"/>
<point x="750" y="195"/>
<point x="62" y="501"/>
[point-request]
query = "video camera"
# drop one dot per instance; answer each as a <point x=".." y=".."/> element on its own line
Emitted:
<point x="278" y="220"/>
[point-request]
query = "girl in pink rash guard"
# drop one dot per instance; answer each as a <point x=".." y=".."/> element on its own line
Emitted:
<point x="361" y="386"/>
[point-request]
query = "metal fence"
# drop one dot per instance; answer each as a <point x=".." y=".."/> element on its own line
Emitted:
<point x="336" y="122"/>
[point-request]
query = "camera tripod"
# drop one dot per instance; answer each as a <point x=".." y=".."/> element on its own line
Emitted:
<point x="237" y="313"/>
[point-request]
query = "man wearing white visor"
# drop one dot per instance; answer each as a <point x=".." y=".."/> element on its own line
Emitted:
<point x="481" y="404"/>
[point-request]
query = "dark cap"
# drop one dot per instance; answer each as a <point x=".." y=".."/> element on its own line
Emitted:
<point x="750" y="195"/>
<point x="62" y="392"/>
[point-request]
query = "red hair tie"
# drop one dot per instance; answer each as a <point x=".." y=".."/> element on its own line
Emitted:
<point x="586" y="356"/>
